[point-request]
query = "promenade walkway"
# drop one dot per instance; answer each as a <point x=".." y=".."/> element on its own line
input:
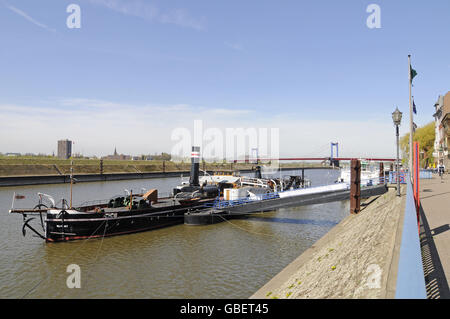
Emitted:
<point x="435" y="235"/>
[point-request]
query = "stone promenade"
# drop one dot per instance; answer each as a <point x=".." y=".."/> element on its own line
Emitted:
<point x="435" y="234"/>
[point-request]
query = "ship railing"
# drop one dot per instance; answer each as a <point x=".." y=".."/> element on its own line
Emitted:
<point x="223" y="203"/>
<point x="97" y="202"/>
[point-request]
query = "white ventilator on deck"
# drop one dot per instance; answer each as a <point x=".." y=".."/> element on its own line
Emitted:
<point x="50" y="198"/>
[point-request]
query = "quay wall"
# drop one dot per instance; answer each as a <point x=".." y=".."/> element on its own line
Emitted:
<point x="358" y="258"/>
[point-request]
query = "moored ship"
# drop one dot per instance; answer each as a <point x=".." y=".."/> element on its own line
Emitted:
<point x="117" y="216"/>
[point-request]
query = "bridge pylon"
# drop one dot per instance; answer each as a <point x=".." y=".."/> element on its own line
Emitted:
<point x="334" y="162"/>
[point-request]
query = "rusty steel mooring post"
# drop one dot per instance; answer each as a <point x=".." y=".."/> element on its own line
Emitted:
<point x="382" y="173"/>
<point x="355" y="187"/>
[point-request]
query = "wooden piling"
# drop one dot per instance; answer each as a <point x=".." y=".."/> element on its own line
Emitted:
<point x="382" y="173"/>
<point x="355" y="187"/>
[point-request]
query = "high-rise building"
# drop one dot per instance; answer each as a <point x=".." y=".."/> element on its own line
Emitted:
<point x="64" y="149"/>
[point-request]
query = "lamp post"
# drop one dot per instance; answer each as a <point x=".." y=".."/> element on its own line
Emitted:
<point x="397" y="118"/>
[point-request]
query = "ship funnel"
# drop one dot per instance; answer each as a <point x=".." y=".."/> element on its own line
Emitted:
<point x="195" y="166"/>
<point x="258" y="172"/>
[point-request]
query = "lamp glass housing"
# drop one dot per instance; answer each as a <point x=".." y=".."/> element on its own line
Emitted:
<point x="397" y="116"/>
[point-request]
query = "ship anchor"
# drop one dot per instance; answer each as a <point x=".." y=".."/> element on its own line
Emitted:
<point x="26" y="224"/>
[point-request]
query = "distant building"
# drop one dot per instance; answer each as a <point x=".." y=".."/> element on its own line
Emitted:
<point x="64" y="149"/>
<point x="12" y="154"/>
<point x="117" y="156"/>
<point x="437" y="114"/>
<point x="442" y="130"/>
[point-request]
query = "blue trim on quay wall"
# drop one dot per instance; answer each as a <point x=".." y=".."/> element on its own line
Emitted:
<point x="410" y="275"/>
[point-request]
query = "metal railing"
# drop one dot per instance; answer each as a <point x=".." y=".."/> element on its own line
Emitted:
<point x="394" y="175"/>
<point x="223" y="203"/>
<point x="424" y="174"/>
<point x="410" y="274"/>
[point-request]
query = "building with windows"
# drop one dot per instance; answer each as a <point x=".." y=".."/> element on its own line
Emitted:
<point x="442" y="130"/>
<point x="64" y="149"/>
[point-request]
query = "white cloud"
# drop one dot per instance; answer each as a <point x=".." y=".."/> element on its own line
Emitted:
<point x="148" y="11"/>
<point x="98" y="126"/>
<point x="27" y="17"/>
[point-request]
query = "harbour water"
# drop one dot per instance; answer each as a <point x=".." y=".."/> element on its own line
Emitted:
<point x="232" y="259"/>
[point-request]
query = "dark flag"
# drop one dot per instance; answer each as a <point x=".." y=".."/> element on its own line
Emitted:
<point x="413" y="74"/>
<point x="414" y="127"/>
<point x="414" y="107"/>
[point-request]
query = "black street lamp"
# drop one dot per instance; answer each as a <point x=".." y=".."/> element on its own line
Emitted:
<point x="397" y="118"/>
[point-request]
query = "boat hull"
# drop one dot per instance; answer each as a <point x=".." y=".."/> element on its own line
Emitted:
<point x="68" y="227"/>
<point x="302" y="200"/>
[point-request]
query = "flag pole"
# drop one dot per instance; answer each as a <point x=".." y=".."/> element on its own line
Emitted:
<point x="410" y="122"/>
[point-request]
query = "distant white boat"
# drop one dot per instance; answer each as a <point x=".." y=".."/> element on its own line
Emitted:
<point x="370" y="174"/>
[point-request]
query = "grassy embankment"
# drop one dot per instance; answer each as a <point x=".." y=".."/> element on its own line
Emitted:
<point x="27" y="166"/>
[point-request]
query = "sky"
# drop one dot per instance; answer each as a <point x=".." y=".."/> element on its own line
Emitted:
<point x="138" y="70"/>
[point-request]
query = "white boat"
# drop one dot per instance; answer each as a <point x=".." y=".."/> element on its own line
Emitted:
<point x="370" y="174"/>
<point x="233" y="186"/>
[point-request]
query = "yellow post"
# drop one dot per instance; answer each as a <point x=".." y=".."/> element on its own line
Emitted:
<point x="131" y="199"/>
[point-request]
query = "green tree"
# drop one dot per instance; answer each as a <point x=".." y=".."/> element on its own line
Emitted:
<point x="425" y="136"/>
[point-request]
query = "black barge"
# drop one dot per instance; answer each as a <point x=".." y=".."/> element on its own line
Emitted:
<point x="118" y="216"/>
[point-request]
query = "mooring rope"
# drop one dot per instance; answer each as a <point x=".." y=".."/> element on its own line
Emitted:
<point x="98" y="250"/>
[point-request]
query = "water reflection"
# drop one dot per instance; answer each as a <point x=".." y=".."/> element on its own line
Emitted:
<point x="294" y="221"/>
